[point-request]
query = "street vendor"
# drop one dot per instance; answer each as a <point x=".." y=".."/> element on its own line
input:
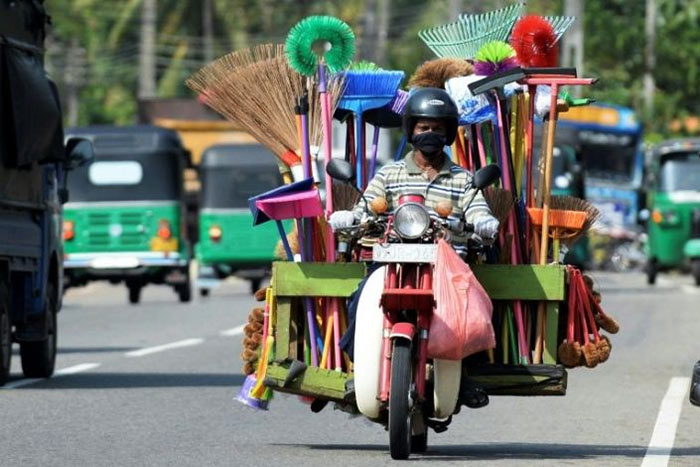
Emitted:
<point x="430" y="123"/>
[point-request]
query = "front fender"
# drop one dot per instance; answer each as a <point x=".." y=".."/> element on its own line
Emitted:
<point x="403" y="330"/>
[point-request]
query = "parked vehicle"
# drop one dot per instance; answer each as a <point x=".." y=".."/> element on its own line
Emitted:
<point x="228" y="243"/>
<point x="125" y="219"/>
<point x="673" y="218"/>
<point x="33" y="167"/>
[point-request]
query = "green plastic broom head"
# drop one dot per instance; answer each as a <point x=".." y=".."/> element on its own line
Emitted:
<point x="317" y="37"/>
<point x="495" y="52"/>
<point x="364" y="65"/>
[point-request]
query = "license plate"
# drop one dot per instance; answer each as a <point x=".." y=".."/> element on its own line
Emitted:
<point x="404" y="253"/>
<point x="114" y="263"/>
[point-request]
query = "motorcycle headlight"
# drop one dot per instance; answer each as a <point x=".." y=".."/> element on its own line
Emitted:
<point x="411" y="221"/>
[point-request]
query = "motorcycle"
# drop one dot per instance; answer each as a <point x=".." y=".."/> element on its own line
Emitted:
<point x="395" y="382"/>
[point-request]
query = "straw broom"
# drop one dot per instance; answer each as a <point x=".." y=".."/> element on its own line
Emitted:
<point x="256" y="89"/>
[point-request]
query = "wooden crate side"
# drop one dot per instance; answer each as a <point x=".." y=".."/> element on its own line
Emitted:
<point x="522" y="282"/>
<point x="552" y="334"/>
<point x="315" y="382"/>
<point x="316" y="279"/>
<point x="283" y="327"/>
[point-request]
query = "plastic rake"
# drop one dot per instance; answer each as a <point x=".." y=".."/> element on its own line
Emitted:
<point x="464" y="37"/>
<point x="560" y="24"/>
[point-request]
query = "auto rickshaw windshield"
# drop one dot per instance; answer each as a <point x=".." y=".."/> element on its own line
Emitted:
<point x="680" y="172"/>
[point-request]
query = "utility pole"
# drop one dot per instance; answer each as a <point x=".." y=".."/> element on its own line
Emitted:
<point x="572" y="43"/>
<point x="383" y="32"/>
<point x="208" y="30"/>
<point x="73" y="79"/>
<point x="649" y="58"/>
<point x="147" y="50"/>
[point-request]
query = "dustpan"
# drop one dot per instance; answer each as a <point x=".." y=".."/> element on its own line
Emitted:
<point x="259" y="216"/>
<point x="298" y="205"/>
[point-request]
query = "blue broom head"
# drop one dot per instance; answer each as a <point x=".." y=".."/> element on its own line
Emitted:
<point x="369" y="89"/>
<point x="245" y="398"/>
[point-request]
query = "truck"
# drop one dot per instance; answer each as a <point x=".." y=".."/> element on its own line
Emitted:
<point x="34" y="162"/>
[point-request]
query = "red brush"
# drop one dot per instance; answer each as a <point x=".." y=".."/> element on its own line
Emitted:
<point x="535" y="42"/>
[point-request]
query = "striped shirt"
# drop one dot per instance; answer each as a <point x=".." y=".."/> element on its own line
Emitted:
<point x="452" y="183"/>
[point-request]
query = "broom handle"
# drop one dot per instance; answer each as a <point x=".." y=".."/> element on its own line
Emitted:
<point x="375" y="148"/>
<point x="359" y="150"/>
<point x="529" y="160"/>
<point x="480" y="145"/>
<point x="401" y="148"/>
<point x="548" y="174"/>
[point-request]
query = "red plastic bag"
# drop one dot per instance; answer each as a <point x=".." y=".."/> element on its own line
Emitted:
<point x="461" y="324"/>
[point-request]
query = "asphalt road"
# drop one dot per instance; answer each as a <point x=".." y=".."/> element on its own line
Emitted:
<point x="154" y="385"/>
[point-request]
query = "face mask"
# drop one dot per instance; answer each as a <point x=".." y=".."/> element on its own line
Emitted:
<point x="429" y="143"/>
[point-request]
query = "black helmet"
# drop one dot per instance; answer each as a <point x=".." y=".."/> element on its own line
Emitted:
<point x="431" y="103"/>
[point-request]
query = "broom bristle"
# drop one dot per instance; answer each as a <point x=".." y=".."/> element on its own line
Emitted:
<point x="257" y="315"/>
<point x="604" y="348"/>
<point x="371" y="83"/>
<point x="345" y="197"/>
<point x="256" y="89"/>
<point x="607" y="323"/>
<point x="248" y="368"/>
<point x="435" y="73"/>
<point x="249" y="355"/>
<point x="260" y="294"/>
<point x="535" y="42"/>
<point x="572" y="203"/>
<point x="590" y="355"/>
<point x="500" y="202"/>
<point x="312" y="31"/>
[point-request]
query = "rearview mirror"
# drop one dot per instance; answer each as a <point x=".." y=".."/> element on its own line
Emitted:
<point x="79" y="151"/>
<point x="340" y="170"/>
<point x="486" y="176"/>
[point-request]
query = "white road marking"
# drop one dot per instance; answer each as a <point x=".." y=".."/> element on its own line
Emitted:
<point x="238" y="330"/>
<point x="164" y="347"/>
<point x="71" y="370"/>
<point x="691" y="289"/>
<point x="659" y="451"/>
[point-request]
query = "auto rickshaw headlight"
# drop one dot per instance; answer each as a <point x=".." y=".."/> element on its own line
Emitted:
<point x="668" y="217"/>
<point x="68" y="230"/>
<point x="215" y="233"/>
<point x="657" y="217"/>
<point x="164" y="230"/>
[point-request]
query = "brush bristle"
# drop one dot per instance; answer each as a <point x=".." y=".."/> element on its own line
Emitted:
<point x="535" y="42"/>
<point x="369" y="84"/>
<point x="399" y="103"/>
<point x="500" y="202"/>
<point x="435" y="73"/>
<point x="309" y="32"/>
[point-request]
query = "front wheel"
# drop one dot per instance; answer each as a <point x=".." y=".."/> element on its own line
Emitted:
<point x="651" y="271"/>
<point x="134" y="293"/>
<point x="184" y="292"/>
<point x="39" y="358"/>
<point x="695" y="268"/>
<point x="400" y="400"/>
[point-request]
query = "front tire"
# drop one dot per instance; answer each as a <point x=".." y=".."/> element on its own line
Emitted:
<point x="651" y="271"/>
<point x="134" y="294"/>
<point x="400" y="400"/>
<point x="184" y="292"/>
<point x="203" y="292"/>
<point x="5" y="334"/>
<point x="695" y="268"/>
<point x="39" y="358"/>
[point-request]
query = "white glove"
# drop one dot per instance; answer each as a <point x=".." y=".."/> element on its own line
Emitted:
<point x="486" y="228"/>
<point x="341" y="219"/>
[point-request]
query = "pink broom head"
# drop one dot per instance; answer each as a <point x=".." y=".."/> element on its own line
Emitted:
<point x="495" y="57"/>
<point x="535" y="42"/>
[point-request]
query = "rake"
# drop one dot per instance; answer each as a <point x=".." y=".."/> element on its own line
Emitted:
<point x="464" y="37"/>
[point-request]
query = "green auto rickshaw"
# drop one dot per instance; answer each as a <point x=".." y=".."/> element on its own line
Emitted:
<point x="228" y="243"/>
<point x="124" y="220"/>
<point x="673" y="218"/>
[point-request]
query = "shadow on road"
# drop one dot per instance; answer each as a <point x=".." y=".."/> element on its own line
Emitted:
<point x="505" y="451"/>
<point x="69" y="350"/>
<point x="139" y="380"/>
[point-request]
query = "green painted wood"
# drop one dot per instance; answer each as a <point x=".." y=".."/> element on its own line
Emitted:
<point x="314" y="382"/>
<point x="551" y="340"/>
<point x="522" y="282"/>
<point x="282" y="329"/>
<point x="316" y="279"/>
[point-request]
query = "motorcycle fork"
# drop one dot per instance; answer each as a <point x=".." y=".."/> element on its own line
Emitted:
<point x="425" y="282"/>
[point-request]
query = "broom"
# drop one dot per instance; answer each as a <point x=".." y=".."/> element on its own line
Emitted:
<point x="500" y="202"/>
<point x="366" y="90"/>
<point x="435" y="73"/>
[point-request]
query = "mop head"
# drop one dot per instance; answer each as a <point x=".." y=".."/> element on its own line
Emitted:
<point x="607" y="323"/>
<point x="535" y="42"/>
<point x="318" y="36"/>
<point x="604" y="348"/>
<point x="252" y="342"/>
<point x="248" y="368"/>
<point x="252" y="328"/>
<point x="293" y="240"/>
<point x="435" y="73"/>
<point x="590" y="355"/>
<point x="250" y="356"/>
<point x="570" y="354"/>
<point x="494" y="57"/>
<point x="260" y="294"/>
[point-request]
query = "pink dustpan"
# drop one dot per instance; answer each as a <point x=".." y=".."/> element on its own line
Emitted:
<point x="292" y="206"/>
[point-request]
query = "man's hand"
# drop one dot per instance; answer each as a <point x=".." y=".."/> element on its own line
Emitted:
<point x="341" y="219"/>
<point x="486" y="227"/>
